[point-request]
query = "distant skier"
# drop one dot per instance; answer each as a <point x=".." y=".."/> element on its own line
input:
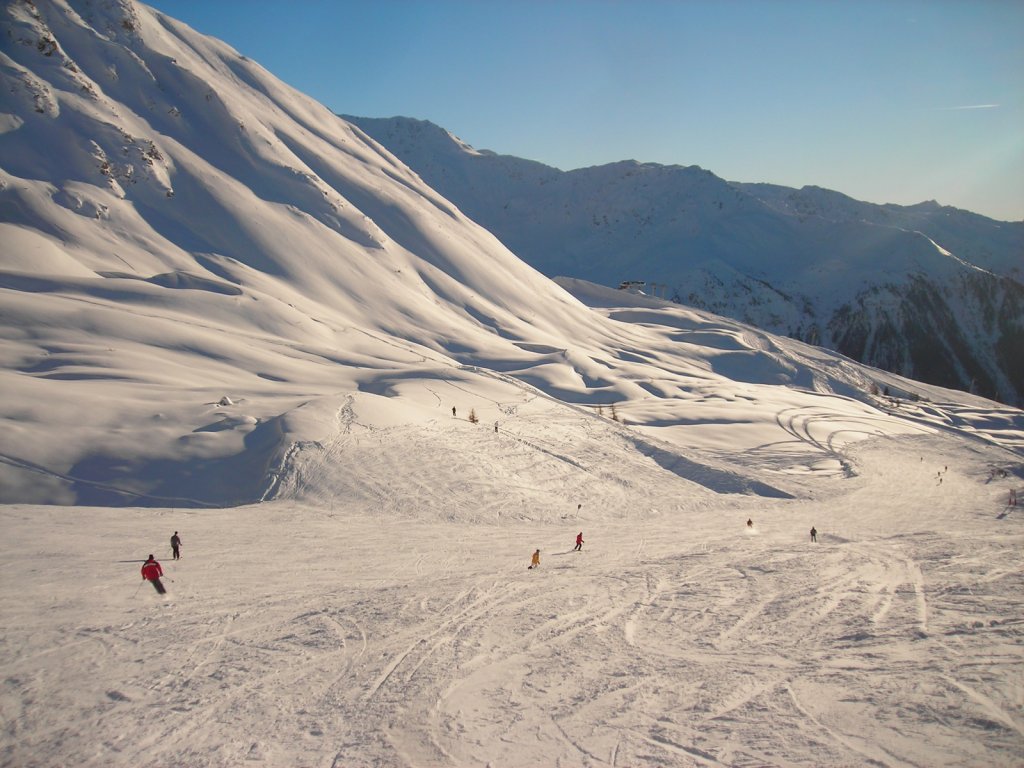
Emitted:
<point x="151" y="571"/>
<point x="579" y="542"/>
<point x="534" y="561"/>
<point x="750" y="523"/>
<point x="176" y="546"/>
<point x="453" y="411"/>
<point x="814" y="534"/>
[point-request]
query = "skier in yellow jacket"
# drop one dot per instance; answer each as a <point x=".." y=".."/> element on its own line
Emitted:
<point x="535" y="560"/>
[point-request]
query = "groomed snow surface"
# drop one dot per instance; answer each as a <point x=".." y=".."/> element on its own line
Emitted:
<point x="344" y="633"/>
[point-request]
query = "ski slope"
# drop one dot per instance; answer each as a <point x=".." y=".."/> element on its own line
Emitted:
<point x="411" y="632"/>
<point x="226" y="312"/>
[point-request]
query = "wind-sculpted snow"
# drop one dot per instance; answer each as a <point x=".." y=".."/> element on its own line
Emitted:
<point x="931" y="292"/>
<point x="180" y="228"/>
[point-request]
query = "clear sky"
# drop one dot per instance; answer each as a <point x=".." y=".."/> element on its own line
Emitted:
<point x="887" y="101"/>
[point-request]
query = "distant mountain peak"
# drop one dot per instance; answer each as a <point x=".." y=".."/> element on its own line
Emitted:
<point x="803" y="262"/>
<point x="423" y="132"/>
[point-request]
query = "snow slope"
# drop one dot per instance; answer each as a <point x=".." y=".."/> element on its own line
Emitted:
<point x="931" y="292"/>
<point x="201" y="266"/>
<point x="224" y="312"/>
<point x="410" y="632"/>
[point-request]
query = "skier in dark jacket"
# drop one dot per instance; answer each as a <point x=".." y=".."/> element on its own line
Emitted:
<point x="151" y="571"/>
<point x="814" y="534"/>
<point x="176" y="546"/>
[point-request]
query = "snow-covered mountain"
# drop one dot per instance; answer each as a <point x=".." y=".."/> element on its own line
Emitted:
<point x="931" y="292"/>
<point x="182" y="227"/>
<point x="183" y="234"/>
<point x="227" y="312"/>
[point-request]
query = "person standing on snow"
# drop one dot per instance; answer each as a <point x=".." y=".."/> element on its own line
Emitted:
<point x="579" y="542"/>
<point x="814" y="534"/>
<point x="151" y="571"/>
<point x="176" y="546"/>
<point x="535" y="560"/>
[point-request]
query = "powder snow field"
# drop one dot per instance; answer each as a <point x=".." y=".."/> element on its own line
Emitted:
<point x="346" y="633"/>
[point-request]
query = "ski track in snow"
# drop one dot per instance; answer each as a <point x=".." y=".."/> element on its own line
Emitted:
<point x="302" y="635"/>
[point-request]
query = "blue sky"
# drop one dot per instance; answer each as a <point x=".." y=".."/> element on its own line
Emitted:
<point x="894" y="101"/>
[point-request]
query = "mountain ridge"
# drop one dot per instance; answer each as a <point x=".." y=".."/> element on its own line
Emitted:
<point x="803" y="263"/>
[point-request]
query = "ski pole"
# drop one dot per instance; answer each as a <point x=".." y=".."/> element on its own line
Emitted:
<point x="137" y="589"/>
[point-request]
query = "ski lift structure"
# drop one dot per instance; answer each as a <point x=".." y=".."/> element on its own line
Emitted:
<point x="645" y="288"/>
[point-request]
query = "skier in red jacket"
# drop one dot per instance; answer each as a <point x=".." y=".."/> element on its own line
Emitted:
<point x="579" y="542"/>
<point x="151" y="571"/>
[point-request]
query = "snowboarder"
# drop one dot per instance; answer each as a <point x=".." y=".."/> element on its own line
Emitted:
<point x="814" y="534"/>
<point x="534" y="561"/>
<point x="151" y="571"/>
<point x="579" y="542"/>
<point x="176" y="546"/>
